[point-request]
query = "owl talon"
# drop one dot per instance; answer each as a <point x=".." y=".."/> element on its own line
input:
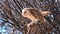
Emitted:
<point x="28" y="25"/>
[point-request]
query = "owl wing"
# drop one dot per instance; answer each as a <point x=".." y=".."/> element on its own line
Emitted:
<point x="38" y="15"/>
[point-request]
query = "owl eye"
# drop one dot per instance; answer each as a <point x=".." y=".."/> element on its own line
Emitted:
<point x="24" y="12"/>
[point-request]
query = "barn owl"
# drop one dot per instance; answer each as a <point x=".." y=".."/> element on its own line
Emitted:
<point x="34" y="15"/>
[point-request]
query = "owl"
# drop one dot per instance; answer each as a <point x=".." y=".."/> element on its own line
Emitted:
<point x="34" y="15"/>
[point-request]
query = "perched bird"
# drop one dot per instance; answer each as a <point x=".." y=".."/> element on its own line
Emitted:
<point x="34" y="15"/>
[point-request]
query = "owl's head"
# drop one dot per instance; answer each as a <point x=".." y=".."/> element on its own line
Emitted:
<point x="26" y="12"/>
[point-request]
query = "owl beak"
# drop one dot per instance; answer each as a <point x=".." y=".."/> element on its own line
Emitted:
<point x="23" y="15"/>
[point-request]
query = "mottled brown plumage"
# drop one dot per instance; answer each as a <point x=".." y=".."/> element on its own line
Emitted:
<point x="34" y="15"/>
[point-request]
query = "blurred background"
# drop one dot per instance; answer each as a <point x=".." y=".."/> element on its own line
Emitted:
<point x="12" y="22"/>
